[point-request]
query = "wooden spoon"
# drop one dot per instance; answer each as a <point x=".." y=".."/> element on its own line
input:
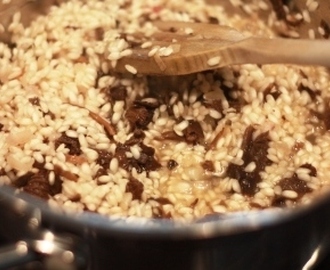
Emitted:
<point x="192" y="47"/>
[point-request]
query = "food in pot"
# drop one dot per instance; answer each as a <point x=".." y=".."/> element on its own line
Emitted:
<point x="83" y="137"/>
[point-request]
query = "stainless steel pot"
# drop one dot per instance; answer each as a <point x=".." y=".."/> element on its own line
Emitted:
<point x="270" y="239"/>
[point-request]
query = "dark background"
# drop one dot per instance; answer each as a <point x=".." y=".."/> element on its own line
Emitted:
<point x="325" y="264"/>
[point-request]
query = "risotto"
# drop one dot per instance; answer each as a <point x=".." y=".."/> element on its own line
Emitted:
<point x="75" y="133"/>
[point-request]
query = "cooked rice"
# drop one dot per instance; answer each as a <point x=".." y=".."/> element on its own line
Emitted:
<point x="214" y="61"/>
<point x="132" y="70"/>
<point x="85" y="138"/>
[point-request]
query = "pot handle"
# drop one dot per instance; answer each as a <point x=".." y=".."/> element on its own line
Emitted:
<point x="54" y="252"/>
<point x="16" y="254"/>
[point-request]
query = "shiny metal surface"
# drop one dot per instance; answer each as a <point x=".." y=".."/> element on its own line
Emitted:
<point x="242" y="241"/>
<point x="15" y="254"/>
<point x="64" y="252"/>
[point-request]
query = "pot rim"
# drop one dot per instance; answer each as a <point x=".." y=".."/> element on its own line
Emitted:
<point x="212" y="226"/>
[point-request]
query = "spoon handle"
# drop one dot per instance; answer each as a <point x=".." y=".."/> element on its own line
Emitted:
<point x="278" y="50"/>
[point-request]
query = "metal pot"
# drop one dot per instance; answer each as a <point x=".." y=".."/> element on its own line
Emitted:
<point x="269" y="239"/>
